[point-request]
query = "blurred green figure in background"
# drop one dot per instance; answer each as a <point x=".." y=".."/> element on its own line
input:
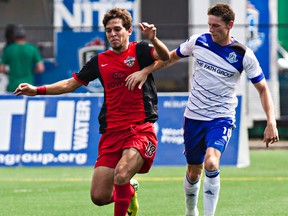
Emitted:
<point x="20" y="59"/>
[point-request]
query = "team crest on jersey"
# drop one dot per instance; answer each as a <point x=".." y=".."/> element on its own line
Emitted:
<point x="232" y="58"/>
<point x="129" y="61"/>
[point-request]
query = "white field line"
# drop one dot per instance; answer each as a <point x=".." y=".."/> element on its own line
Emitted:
<point x="148" y="179"/>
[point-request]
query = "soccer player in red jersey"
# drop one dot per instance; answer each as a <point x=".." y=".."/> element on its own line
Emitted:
<point x="128" y="143"/>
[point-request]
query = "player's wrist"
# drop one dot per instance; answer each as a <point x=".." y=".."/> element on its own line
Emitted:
<point x="153" y="40"/>
<point x="41" y="90"/>
<point x="146" y="71"/>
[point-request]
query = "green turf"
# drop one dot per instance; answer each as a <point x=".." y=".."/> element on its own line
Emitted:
<point x="260" y="189"/>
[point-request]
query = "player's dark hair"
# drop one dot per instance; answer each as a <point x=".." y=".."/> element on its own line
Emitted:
<point x="222" y="10"/>
<point x="20" y="32"/>
<point x="9" y="34"/>
<point x="120" y="13"/>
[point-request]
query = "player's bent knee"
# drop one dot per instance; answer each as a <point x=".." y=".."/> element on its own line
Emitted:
<point x="195" y="172"/>
<point x="100" y="200"/>
<point x="121" y="177"/>
<point x="194" y="177"/>
<point x="211" y="163"/>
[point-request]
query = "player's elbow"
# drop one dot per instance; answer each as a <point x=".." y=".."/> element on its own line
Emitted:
<point x="70" y="85"/>
<point x="165" y="57"/>
<point x="40" y="67"/>
<point x="2" y="68"/>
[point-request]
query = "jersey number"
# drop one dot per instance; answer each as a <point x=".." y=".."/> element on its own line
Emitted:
<point x="150" y="149"/>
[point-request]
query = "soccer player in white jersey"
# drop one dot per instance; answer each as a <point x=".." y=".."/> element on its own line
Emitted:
<point x="210" y="112"/>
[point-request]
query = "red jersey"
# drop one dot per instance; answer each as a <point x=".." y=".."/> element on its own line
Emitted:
<point x="122" y="108"/>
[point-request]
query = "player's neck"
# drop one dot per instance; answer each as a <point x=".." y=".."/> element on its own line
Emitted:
<point x="226" y="41"/>
<point x="20" y="41"/>
<point x="121" y="49"/>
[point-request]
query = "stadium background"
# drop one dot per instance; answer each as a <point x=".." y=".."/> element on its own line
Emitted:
<point x="175" y="22"/>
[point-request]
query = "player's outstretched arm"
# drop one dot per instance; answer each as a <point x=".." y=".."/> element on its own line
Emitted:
<point x="2" y="69"/>
<point x="25" y="89"/>
<point x="161" y="51"/>
<point x="61" y="87"/>
<point x="271" y="131"/>
<point x="140" y="77"/>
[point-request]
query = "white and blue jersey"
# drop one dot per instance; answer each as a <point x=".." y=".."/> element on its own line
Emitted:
<point x="216" y="74"/>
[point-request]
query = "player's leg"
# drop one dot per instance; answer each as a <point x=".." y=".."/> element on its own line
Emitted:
<point x="102" y="186"/>
<point x="217" y="139"/>
<point x="192" y="183"/>
<point x="194" y="152"/>
<point x="143" y="140"/>
<point x="211" y="181"/>
<point x="109" y="153"/>
<point x="130" y="163"/>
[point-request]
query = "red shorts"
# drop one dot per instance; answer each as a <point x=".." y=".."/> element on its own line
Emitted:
<point x="141" y="137"/>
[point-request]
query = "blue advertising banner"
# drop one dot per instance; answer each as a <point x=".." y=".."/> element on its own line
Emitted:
<point x="63" y="130"/>
<point x="169" y="129"/>
<point x="49" y="131"/>
<point x="11" y="129"/>
<point x="258" y="32"/>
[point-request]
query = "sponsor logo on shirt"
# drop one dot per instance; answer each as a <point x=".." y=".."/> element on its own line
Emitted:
<point x="215" y="69"/>
<point x="119" y="77"/>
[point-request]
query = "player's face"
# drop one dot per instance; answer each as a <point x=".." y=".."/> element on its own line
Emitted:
<point x="219" y="30"/>
<point x="117" y="35"/>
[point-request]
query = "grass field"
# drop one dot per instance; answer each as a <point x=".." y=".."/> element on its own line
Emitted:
<point x="260" y="189"/>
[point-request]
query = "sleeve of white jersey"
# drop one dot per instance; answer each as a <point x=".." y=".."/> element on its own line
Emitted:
<point x="186" y="48"/>
<point x="251" y="64"/>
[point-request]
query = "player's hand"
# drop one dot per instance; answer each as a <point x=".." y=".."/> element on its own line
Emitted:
<point x="25" y="89"/>
<point x="270" y="135"/>
<point x="149" y="30"/>
<point x="136" y="78"/>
